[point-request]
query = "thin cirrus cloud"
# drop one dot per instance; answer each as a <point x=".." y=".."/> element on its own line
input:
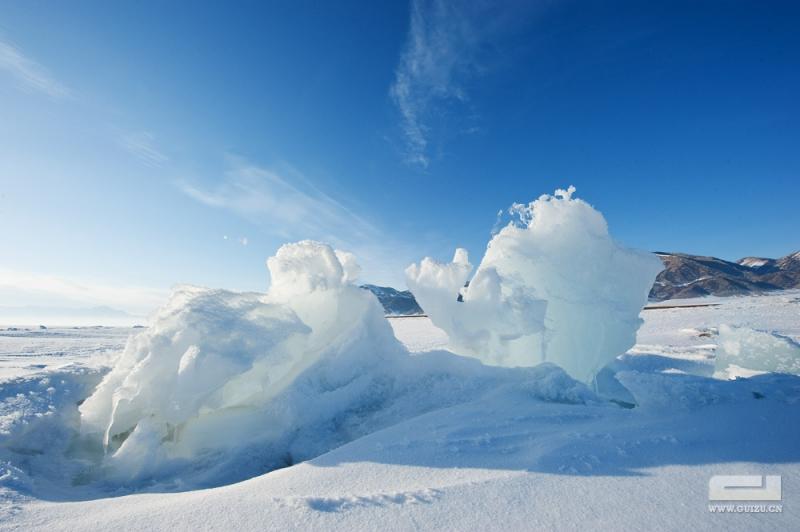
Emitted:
<point x="31" y="75"/>
<point x="437" y="57"/>
<point x="287" y="205"/>
<point x="448" y="44"/>
<point x="142" y="145"/>
<point x="28" y="73"/>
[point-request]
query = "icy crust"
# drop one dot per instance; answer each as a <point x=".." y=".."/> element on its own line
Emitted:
<point x="676" y="392"/>
<point x="554" y="286"/>
<point x="743" y="348"/>
<point x="38" y="416"/>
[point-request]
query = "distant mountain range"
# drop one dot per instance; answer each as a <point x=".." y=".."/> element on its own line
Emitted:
<point x="395" y="302"/>
<point x="684" y="276"/>
<point x="688" y="276"/>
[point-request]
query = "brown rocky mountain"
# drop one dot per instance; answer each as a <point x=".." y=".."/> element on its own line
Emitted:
<point x="687" y="276"/>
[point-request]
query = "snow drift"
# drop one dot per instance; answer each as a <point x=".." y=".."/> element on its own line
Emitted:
<point x="552" y="286"/>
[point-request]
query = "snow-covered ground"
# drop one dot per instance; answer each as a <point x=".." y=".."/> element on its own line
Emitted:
<point x="536" y="451"/>
<point x="26" y="350"/>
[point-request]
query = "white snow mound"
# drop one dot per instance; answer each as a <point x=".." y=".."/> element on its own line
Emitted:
<point x="553" y="286"/>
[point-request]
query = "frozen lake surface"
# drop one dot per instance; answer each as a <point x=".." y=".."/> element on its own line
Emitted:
<point x="542" y="453"/>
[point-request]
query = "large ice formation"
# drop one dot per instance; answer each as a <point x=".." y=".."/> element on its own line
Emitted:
<point x="553" y="286"/>
<point x="213" y="372"/>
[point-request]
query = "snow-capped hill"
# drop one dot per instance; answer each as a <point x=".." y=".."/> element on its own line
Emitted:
<point x="395" y="302"/>
<point x="789" y="262"/>
<point x="687" y="276"/>
<point x="756" y="262"/>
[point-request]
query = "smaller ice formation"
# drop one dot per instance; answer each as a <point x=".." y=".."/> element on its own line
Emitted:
<point x="553" y="286"/>
<point x="758" y="351"/>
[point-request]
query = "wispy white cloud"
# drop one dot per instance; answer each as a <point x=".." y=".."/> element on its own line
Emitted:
<point x="20" y="288"/>
<point x="447" y="45"/>
<point x="28" y="73"/>
<point x="286" y="204"/>
<point x="143" y="146"/>
<point x="437" y="56"/>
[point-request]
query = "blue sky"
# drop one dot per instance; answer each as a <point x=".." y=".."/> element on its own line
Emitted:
<point x="152" y="143"/>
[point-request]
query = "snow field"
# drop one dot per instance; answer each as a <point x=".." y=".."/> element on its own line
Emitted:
<point x="556" y="461"/>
